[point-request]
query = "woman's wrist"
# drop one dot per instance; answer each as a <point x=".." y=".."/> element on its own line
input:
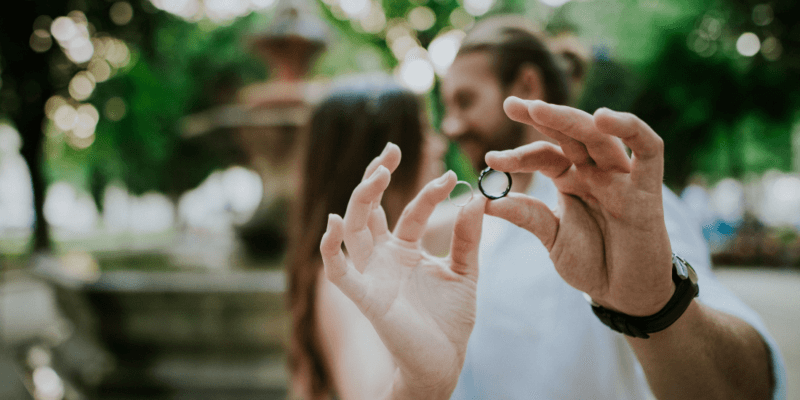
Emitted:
<point x="405" y="388"/>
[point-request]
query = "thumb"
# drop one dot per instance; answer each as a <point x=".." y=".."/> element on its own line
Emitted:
<point x="467" y="237"/>
<point x="527" y="213"/>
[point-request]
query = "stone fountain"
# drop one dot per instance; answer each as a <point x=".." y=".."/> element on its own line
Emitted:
<point x="193" y="333"/>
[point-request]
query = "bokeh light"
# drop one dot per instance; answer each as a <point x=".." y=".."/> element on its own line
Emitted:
<point x="80" y="50"/>
<point x="91" y="111"/>
<point x="375" y="20"/>
<point x="554" y="3"/>
<point x="121" y="13"/>
<point x="16" y="192"/>
<point x="68" y="209"/>
<point x="81" y="86"/>
<point x="461" y="19"/>
<point x="53" y="104"/>
<point x="42" y="22"/>
<point x="100" y="69"/>
<point x="187" y="9"/>
<point x="478" y="7"/>
<point x="781" y="202"/>
<point x="244" y="189"/>
<point x="261" y="4"/>
<point x="224" y="10"/>
<point x="78" y="142"/>
<point x="65" y="117"/>
<point x="422" y="18"/>
<point x="771" y="48"/>
<point x="41" y="41"/>
<point x="748" y="44"/>
<point x="64" y="29"/>
<point x="762" y="14"/>
<point x="416" y="72"/>
<point x="115" y="109"/>
<point x="443" y="50"/>
<point x="117" y="53"/>
<point x="355" y="8"/>
<point x="727" y="198"/>
<point x="402" y="45"/>
<point x="223" y="199"/>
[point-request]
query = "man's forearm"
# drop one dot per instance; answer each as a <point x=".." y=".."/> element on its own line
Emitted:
<point x="706" y="354"/>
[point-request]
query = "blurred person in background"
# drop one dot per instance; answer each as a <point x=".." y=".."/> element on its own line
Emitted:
<point x="334" y="349"/>
<point x="602" y="224"/>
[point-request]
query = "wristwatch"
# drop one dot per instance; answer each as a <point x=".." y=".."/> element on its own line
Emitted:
<point x="686" y="289"/>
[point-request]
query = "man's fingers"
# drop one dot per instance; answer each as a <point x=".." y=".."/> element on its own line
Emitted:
<point x="527" y="213"/>
<point x="606" y="151"/>
<point x="646" y="145"/>
<point x="467" y="237"/>
<point x="337" y="270"/>
<point x="389" y="158"/>
<point x="537" y="156"/>
<point x="411" y="225"/>
<point x="517" y="110"/>
<point x="357" y="236"/>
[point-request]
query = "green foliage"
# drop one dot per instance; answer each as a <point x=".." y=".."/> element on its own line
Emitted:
<point x="719" y="112"/>
<point x="186" y="68"/>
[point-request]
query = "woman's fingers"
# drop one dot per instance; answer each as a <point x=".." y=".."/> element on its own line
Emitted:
<point x="337" y="270"/>
<point x="357" y="236"/>
<point x="527" y="213"/>
<point x="537" y="156"/>
<point x="389" y="158"/>
<point x="467" y="237"/>
<point x="646" y="145"/>
<point x="411" y="225"/>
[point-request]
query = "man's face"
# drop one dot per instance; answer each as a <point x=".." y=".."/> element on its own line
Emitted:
<point x="474" y="118"/>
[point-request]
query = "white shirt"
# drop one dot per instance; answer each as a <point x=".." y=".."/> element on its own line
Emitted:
<point x="536" y="337"/>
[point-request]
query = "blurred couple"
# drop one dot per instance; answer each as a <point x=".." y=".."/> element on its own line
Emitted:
<point x="502" y="313"/>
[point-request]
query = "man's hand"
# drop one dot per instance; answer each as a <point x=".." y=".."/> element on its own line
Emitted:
<point x="422" y="307"/>
<point x="608" y="237"/>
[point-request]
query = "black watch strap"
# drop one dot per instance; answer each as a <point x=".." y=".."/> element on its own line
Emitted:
<point x="686" y="289"/>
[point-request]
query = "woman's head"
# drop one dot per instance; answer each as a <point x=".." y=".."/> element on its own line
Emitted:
<point x="348" y="129"/>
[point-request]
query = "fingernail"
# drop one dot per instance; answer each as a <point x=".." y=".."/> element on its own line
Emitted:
<point x="386" y="148"/>
<point x="375" y="174"/>
<point x="443" y="179"/>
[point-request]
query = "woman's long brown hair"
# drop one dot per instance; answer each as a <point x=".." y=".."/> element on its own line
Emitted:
<point x="348" y="130"/>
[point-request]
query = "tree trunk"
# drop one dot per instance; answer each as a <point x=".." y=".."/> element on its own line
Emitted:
<point x="26" y="86"/>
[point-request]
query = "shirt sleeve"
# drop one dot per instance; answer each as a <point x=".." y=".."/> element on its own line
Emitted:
<point x="687" y="241"/>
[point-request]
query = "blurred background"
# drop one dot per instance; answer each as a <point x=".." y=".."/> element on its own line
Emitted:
<point x="149" y="156"/>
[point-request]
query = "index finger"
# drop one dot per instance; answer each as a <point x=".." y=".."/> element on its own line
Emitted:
<point x="357" y="236"/>
<point x="389" y="158"/>
<point x="517" y="110"/>
<point x="606" y="151"/>
<point x="537" y="156"/>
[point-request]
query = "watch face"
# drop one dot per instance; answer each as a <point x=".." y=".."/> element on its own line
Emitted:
<point x="680" y="266"/>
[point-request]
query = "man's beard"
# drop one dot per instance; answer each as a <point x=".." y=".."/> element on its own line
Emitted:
<point x="475" y="145"/>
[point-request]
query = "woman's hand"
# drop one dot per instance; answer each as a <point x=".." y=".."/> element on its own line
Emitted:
<point x="422" y="307"/>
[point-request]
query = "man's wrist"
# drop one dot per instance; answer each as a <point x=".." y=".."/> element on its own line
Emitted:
<point x="686" y="289"/>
